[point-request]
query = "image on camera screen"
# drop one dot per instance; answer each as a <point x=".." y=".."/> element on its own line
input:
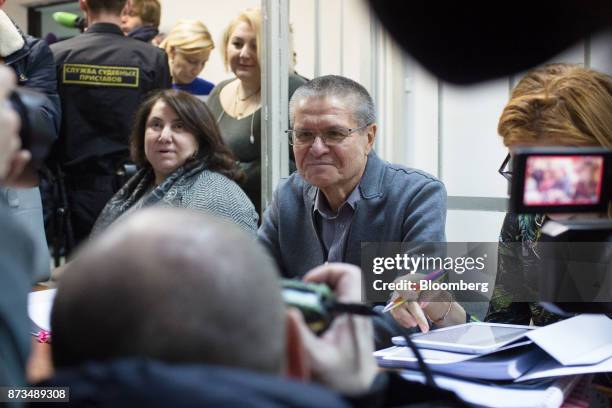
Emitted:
<point x="563" y="180"/>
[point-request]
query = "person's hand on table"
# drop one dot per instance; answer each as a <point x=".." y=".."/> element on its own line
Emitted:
<point x="341" y="358"/>
<point x="423" y="306"/>
<point x="12" y="160"/>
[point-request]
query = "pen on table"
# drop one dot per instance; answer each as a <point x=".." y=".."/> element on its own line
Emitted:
<point x="400" y="301"/>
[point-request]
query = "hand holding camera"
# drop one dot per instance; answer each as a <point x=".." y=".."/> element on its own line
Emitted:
<point x="341" y="357"/>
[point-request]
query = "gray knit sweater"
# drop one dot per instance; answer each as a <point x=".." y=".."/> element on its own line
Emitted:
<point x="192" y="187"/>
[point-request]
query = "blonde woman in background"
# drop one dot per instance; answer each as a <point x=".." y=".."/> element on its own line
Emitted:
<point x="188" y="46"/>
<point x="236" y="102"/>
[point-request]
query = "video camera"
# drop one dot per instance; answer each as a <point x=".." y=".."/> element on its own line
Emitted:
<point x="35" y="134"/>
<point x="561" y="180"/>
<point x="574" y="187"/>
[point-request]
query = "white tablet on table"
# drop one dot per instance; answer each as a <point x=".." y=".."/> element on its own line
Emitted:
<point x="471" y="338"/>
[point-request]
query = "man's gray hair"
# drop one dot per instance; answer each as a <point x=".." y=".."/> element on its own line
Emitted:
<point x="363" y="108"/>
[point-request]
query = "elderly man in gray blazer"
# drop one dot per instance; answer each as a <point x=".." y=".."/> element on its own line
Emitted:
<point x="343" y="194"/>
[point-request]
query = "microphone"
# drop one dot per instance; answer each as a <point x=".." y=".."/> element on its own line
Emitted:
<point x="69" y="20"/>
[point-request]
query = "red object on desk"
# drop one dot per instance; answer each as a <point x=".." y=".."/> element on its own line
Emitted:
<point x="43" y="336"/>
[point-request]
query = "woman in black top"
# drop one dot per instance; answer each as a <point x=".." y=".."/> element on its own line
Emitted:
<point x="236" y="103"/>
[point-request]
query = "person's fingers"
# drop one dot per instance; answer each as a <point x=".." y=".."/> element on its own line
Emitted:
<point x="343" y="279"/>
<point x="430" y="295"/>
<point x="308" y="337"/>
<point x="9" y="123"/>
<point x="331" y="273"/>
<point x="403" y="317"/>
<point x="7" y="81"/>
<point x="315" y="350"/>
<point x="351" y="339"/>
<point x="9" y="145"/>
<point x="418" y="315"/>
<point x="17" y="166"/>
<point x="408" y="294"/>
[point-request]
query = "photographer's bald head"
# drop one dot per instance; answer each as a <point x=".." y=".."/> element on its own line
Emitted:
<point x="172" y="285"/>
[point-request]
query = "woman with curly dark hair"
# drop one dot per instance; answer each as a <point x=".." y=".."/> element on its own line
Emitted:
<point x="183" y="163"/>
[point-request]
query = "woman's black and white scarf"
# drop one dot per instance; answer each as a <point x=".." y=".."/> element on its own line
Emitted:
<point x="140" y="187"/>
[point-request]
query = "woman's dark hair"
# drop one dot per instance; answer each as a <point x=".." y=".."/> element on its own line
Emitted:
<point x="198" y="120"/>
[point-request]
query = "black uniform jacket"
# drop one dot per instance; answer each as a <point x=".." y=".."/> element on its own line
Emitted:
<point x="102" y="78"/>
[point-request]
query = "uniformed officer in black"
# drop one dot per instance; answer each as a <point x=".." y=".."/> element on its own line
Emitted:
<point x="102" y="78"/>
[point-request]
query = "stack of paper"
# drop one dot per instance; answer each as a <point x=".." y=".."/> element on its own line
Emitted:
<point x="580" y="345"/>
<point x="39" y="310"/>
<point x="550" y="394"/>
<point x="543" y="366"/>
<point x="508" y="363"/>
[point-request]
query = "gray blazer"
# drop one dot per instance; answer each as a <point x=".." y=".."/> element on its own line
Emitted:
<point x="398" y="204"/>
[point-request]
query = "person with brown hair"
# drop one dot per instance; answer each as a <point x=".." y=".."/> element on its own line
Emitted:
<point x="141" y="20"/>
<point x="236" y="102"/>
<point x="556" y="105"/>
<point x="183" y="163"/>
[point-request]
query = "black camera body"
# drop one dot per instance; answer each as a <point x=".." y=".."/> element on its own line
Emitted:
<point x="313" y="300"/>
<point x="35" y="133"/>
<point x="561" y="180"/>
<point x="575" y="250"/>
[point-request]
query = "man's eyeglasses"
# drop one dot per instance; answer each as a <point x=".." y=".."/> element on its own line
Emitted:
<point x="331" y="136"/>
<point x="506" y="168"/>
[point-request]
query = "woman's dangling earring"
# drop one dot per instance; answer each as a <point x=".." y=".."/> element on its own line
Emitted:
<point x="252" y="137"/>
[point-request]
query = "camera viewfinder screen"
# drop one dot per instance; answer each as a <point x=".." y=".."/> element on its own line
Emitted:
<point x="563" y="180"/>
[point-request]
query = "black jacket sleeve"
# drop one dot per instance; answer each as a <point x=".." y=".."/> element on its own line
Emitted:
<point x="165" y="79"/>
<point x="41" y="74"/>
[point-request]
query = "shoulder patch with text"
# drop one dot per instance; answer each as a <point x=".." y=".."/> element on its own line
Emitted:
<point x="99" y="75"/>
